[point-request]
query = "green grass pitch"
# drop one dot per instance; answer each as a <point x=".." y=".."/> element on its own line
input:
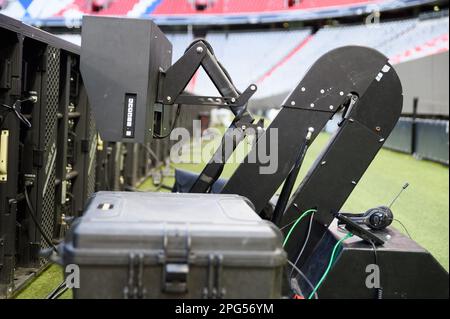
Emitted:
<point x="423" y="208"/>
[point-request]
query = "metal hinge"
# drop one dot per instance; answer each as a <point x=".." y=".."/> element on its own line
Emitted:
<point x="4" y="138"/>
<point x="38" y="158"/>
<point x="85" y="146"/>
<point x="175" y="260"/>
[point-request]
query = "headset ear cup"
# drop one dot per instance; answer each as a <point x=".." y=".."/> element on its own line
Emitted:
<point x="389" y="216"/>
<point x="379" y="218"/>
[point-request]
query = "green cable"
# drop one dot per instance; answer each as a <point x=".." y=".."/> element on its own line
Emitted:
<point x="329" y="264"/>
<point x="296" y="222"/>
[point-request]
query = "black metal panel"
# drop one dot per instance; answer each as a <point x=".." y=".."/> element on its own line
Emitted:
<point x="124" y="60"/>
<point x="311" y="104"/>
<point x="362" y="135"/>
<point x="49" y="114"/>
<point x="60" y="144"/>
<point x="39" y="152"/>
<point x="10" y="88"/>
<point x="431" y="140"/>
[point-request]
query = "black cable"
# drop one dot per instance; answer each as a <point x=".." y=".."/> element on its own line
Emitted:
<point x="379" y="290"/>
<point x="55" y="291"/>
<point x="35" y="221"/>
<point x="60" y="292"/>
<point x="294" y="267"/>
<point x="19" y="115"/>
<point x="304" y="243"/>
<point x="404" y="227"/>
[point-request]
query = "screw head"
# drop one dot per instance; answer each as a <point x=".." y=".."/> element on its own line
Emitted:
<point x="331" y="107"/>
<point x="292" y="103"/>
<point x="341" y="93"/>
<point x="303" y="89"/>
<point x="199" y="50"/>
<point x="253" y="87"/>
<point x="322" y="91"/>
<point x="311" y="105"/>
<point x="169" y="98"/>
<point x="233" y="100"/>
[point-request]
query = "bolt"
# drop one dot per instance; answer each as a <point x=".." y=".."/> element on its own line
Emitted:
<point x="377" y="128"/>
<point x="292" y="103"/>
<point x="243" y="127"/>
<point x="303" y="89"/>
<point x="331" y="107"/>
<point x="323" y="163"/>
<point x="381" y="140"/>
<point x="233" y="100"/>
<point x="351" y="120"/>
<point x="169" y="98"/>
<point x="322" y="91"/>
<point x="253" y="88"/>
<point x="311" y="129"/>
<point x="199" y="50"/>
<point x="388" y="237"/>
<point x="341" y="93"/>
<point x="312" y="105"/>
<point x="353" y="182"/>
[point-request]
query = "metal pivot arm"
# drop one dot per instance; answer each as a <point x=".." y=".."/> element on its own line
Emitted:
<point x="175" y="79"/>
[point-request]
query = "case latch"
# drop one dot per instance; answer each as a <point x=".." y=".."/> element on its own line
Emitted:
<point x="176" y="261"/>
<point x="135" y="286"/>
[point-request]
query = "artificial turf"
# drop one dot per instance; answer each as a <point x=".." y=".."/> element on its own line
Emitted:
<point x="423" y="208"/>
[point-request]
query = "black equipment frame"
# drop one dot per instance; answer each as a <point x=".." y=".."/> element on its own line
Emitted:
<point x="174" y="80"/>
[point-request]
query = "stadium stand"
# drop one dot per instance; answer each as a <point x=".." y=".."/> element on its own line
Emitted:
<point x="54" y="12"/>
<point x="277" y="69"/>
<point x="241" y="6"/>
<point x="276" y="59"/>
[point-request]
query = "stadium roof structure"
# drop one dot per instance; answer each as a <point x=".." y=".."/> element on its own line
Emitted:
<point x="68" y="13"/>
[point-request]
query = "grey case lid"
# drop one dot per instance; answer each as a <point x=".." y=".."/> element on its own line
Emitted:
<point x="198" y="225"/>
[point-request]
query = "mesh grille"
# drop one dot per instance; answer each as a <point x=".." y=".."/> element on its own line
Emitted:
<point x="52" y="99"/>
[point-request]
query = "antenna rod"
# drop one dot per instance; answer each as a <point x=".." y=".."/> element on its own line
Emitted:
<point x="398" y="195"/>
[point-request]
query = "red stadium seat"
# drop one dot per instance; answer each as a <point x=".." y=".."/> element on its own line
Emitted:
<point x="168" y="7"/>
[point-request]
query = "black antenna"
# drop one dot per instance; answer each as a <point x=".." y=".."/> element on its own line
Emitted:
<point x="398" y="195"/>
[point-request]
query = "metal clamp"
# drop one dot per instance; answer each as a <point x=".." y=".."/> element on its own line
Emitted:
<point x="175" y="262"/>
<point x="4" y="138"/>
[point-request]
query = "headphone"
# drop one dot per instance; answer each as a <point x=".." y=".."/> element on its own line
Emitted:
<point x="377" y="218"/>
